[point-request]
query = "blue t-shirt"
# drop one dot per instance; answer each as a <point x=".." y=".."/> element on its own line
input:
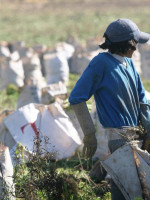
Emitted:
<point x="117" y="90"/>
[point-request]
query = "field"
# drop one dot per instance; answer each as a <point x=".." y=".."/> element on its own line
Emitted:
<point x="48" y="22"/>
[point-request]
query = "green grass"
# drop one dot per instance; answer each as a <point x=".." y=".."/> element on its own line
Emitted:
<point x="72" y="81"/>
<point x="9" y="97"/>
<point x="46" y="179"/>
<point x="146" y="84"/>
<point x="55" y="21"/>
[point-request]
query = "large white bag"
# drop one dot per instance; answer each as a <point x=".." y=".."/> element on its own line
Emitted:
<point x="6" y="174"/>
<point x="12" y="71"/>
<point x="29" y="94"/>
<point x="129" y="167"/>
<point x="50" y="121"/>
<point x="53" y="91"/>
<point x="56" y="68"/>
<point x="79" y="61"/>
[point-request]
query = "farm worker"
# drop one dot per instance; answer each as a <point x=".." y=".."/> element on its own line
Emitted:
<point x="118" y="92"/>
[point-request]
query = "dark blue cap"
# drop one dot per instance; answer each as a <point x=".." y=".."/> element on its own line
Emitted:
<point x="125" y="29"/>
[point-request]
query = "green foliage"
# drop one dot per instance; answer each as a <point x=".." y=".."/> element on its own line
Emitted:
<point x="72" y="81"/>
<point x="107" y="196"/>
<point x="146" y="84"/>
<point x="12" y="90"/>
<point x="8" y="97"/>
<point x="43" y="178"/>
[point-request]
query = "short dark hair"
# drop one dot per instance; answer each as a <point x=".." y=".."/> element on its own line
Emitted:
<point x="118" y="47"/>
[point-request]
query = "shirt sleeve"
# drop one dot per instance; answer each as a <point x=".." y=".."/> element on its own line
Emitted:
<point x="88" y="83"/>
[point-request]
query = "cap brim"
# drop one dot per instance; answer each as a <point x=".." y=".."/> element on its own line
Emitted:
<point x="144" y="37"/>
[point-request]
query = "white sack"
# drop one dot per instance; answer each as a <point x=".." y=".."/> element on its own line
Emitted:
<point x="12" y="71"/>
<point x="56" y="68"/>
<point x="102" y="139"/>
<point x="20" y="47"/>
<point x="66" y="49"/>
<point x="6" y="138"/>
<point x="6" y="175"/>
<point x="32" y="70"/>
<point x="34" y="81"/>
<point x="126" y="165"/>
<point x="60" y="130"/>
<point x="20" y="123"/>
<point x="50" y="121"/>
<point x="4" y="51"/>
<point x="50" y="92"/>
<point x="78" y="62"/>
<point x="75" y="122"/>
<point x="29" y="94"/>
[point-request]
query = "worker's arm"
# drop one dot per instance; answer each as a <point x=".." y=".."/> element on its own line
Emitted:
<point x="88" y="128"/>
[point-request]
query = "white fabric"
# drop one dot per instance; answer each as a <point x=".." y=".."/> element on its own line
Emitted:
<point x="53" y="90"/>
<point x="66" y="49"/>
<point x="102" y="140"/>
<point x="125" y="166"/>
<point x="50" y="121"/>
<point x="7" y="171"/>
<point x="79" y="61"/>
<point x="32" y="70"/>
<point x="12" y="71"/>
<point x="29" y="94"/>
<point x="56" y="63"/>
<point x="56" y="68"/>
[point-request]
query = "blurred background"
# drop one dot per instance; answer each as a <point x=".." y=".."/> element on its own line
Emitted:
<point x="50" y="21"/>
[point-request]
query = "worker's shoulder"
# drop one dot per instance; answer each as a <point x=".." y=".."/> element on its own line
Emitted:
<point x="100" y="57"/>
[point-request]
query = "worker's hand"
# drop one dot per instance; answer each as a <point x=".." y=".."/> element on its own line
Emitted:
<point x="90" y="145"/>
<point x="146" y="143"/>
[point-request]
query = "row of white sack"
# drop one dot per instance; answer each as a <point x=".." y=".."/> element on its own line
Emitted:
<point x="20" y="70"/>
<point x="56" y="67"/>
<point x="44" y="94"/>
<point x="54" y="63"/>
